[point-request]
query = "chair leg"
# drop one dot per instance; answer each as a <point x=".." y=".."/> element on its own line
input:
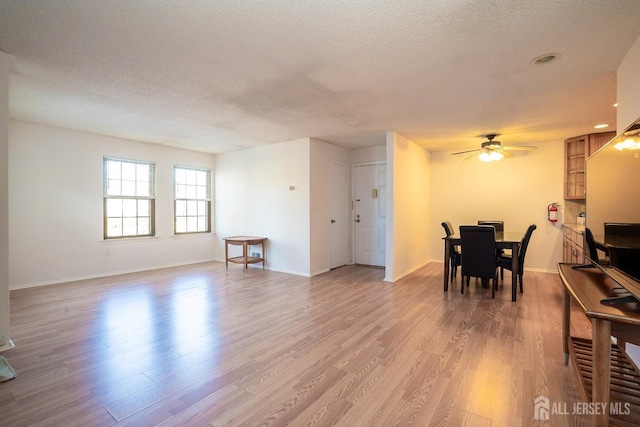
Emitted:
<point x="501" y="273"/>
<point x="521" y="284"/>
<point x="494" y="288"/>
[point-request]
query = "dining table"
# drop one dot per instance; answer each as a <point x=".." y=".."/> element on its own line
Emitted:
<point x="504" y="240"/>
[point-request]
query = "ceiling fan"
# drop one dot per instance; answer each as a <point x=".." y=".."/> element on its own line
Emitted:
<point x="492" y="150"/>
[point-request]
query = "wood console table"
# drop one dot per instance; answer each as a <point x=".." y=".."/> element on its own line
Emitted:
<point x="245" y="242"/>
<point x="606" y="372"/>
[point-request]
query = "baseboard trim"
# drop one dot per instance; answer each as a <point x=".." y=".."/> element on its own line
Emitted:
<point x="109" y="274"/>
<point x="411" y="270"/>
<point x="8" y="345"/>
<point x="279" y="270"/>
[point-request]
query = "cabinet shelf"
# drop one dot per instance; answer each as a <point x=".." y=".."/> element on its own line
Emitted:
<point x="576" y="151"/>
<point x="625" y="381"/>
<point x="608" y="377"/>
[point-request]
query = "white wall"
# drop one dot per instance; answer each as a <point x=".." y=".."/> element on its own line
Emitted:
<point x="629" y="112"/>
<point x="5" y="338"/>
<point x="629" y="88"/>
<point x="409" y="211"/>
<point x="252" y="197"/>
<point x="369" y="154"/>
<point x="516" y="190"/>
<point x="56" y="214"/>
<point x="321" y="155"/>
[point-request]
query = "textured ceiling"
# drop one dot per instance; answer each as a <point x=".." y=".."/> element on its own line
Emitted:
<point x="220" y="75"/>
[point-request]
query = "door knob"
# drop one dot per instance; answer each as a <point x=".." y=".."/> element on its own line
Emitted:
<point x="357" y="220"/>
<point x="333" y="221"/>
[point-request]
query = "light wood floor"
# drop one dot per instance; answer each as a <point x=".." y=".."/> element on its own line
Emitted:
<point x="202" y="345"/>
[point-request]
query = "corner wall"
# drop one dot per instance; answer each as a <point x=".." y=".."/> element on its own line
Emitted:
<point x="56" y="207"/>
<point x="252" y="197"/>
<point x="5" y="340"/>
<point x="629" y="88"/>
<point x="516" y="190"/>
<point x="629" y="112"/>
<point x="409" y="206"/>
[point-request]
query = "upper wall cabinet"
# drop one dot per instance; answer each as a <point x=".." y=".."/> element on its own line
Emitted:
<point x="576" y="151"/>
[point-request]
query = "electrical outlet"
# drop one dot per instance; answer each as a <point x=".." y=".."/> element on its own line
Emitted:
<point x="107" y="251"/>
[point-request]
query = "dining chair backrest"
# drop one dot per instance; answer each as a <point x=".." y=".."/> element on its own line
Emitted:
<point x="448" y="228"/>
<point x="592" y="251"/>
<point x="478" y="248"/>
<point x="522" y="251"/>
<point x="498" y="225"/>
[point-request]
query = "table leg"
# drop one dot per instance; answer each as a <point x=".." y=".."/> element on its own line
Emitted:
<point x="226" y="254"/>
<point x="566" y="323"/>
<point x="447" y="258"/>
<point x="244" y="254"/>
<point x="514" y="270"/>
<point x="264" y="254"/>
<point x="601" y="347"/>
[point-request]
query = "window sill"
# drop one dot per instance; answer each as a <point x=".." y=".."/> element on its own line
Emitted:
<point x="129" y="240"/>
<point x="192" y="235"/>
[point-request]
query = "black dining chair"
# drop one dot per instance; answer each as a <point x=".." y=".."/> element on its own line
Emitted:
<point x="478" y="255"/>
<point x="498" y="225"/>
<point x="592" y="250"/>
<point x="505" y="260"/>
<point x="454" y="257"/>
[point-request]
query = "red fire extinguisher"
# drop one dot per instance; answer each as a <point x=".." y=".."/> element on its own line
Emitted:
<point x="552" y="212"/>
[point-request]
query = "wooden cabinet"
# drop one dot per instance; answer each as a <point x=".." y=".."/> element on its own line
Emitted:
<point x="576" y="152"/>
<point x="609" y="378"/>
<point x="572" y="246"/>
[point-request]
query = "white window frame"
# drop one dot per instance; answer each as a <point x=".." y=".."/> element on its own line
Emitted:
<point x="132" y="199"/>
<point x="191" y="200"/>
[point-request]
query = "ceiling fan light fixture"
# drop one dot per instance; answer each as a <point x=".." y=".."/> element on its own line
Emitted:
<point x="492" y="156"/>
<point x="629" y="143"/>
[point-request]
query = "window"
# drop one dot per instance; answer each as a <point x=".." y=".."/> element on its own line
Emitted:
<point x="129" y="198"/>
<point x="192" y="200"/>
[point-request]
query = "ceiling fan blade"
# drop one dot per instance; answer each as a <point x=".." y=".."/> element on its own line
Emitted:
<point x="468" y="151"/>
<point x="477" y="153"/>
<point x="506" y="153"/>
<point x="521" y="148"/>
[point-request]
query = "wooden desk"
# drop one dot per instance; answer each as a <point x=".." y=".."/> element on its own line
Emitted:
<point x="593" y="359"/>
<point x="245" y="242"/>
<point x="504" y="240"/>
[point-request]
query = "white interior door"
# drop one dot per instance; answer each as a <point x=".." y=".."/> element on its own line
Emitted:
<point x="339" y="216"/>
<point x="370" y="194"/>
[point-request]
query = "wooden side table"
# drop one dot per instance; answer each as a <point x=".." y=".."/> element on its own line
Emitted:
<point x="245" y="242"/>
<point x="610" y="380"/>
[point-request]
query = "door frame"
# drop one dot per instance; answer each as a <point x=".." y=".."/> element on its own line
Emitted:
<point x="353" y="207"/>
<point x="347" y="215"/>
